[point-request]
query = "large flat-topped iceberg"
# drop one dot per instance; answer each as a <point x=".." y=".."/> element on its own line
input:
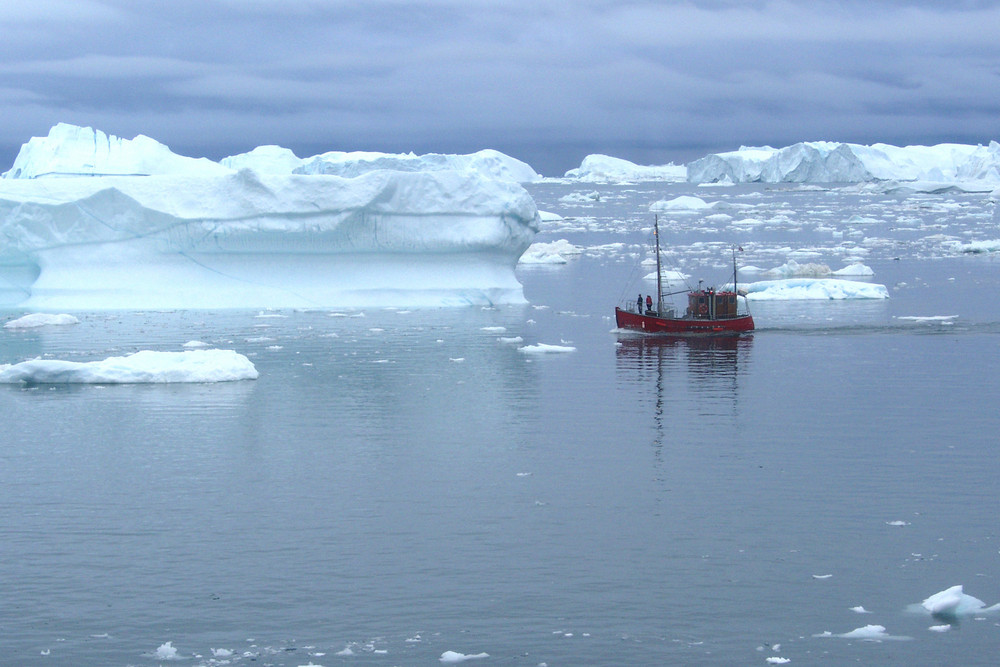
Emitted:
<point x="831" y="162"/>
<point x="606" y="169"/>
<point x="69" y="150"/>
<point x="252" y="240"/>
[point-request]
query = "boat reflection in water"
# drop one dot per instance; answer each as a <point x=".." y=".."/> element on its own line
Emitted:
<point x="694" y="382"/>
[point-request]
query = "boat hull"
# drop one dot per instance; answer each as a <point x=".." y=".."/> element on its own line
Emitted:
<point x="682" y="325"/>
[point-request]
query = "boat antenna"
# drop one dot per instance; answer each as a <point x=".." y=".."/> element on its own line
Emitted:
<point x="659" y="277"/>
<point x="735" y="291"/>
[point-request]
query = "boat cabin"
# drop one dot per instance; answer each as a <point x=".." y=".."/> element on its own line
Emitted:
<point x="711" y="305"/>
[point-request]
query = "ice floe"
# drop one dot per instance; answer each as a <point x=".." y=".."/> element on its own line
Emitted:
<point x="454" y="657"/>
<point x="953" y="602"/>
<point x="35" y="320"/>
<point x="795" y="289"/>
<point x="146" y="366"/>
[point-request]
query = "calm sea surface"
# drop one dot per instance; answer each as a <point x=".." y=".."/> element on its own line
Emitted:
<point x="398" y="484"/>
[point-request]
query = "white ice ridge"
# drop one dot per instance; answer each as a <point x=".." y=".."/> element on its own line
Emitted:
<point x="146" y="366"/>
<point x="795" y="289"/>
<point x="248" y="240"/>
<point x="606" y="169"/>
<point x="69" y="150"/>
<point x="833" y="162"/>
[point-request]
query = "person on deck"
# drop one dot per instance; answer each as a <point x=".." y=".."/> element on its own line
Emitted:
<point x="649" y="303"/>
<point x="638" y="304"/>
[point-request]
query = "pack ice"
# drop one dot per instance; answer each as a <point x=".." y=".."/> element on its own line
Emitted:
<point x="191" y="233"/>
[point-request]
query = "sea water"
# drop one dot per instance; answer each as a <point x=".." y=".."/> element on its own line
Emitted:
<point x="403" y="486"/>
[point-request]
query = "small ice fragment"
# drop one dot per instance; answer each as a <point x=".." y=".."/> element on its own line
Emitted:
<point x="822" y="576"/>
<point x="860" y="610"/>
<point x="453" y="657"/>
<point x="776" y="660"/>
<point x="940" y="628"/>
<point x="456" y="359"/>
<point x="221" y="653"/>
<point x="544" y="348"/>
<point x="345" y="652"/>
<point x="166" y="651"/>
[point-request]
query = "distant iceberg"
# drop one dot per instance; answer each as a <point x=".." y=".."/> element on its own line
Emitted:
<point x="606" y="169"/>
<point x="249" y="240"/>
<point x="832" y="162"/>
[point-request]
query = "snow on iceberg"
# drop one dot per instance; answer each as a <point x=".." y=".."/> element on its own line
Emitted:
<point x="35" y="320"/>
<point x="146" y="366"/>
<point x="606" y="169"/>
<point x="953" y="602"/>
<point x="833" y="162"/>
<point x="249" y="240"/>
<point x="70" y="150"/>
<point x="265" y="160"/>
<point x="795" y="289"/>
<point x="488" y="163"/>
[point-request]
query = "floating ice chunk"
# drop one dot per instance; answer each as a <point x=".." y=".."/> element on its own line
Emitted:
<point x="955" y="602"/>
<point x="819" y="288"/>
<point x="554" y="252"/>
<point x="40" y="320"/>
<point x="581" y="197"/>
<point x="145" y="366"/>
<point x="867" y="632"/>
<point x="860" y="610"/>
<point x="544" y="348"/>
<point x="669" y="275"/>
<point x="221" y="653"/>
<point x="897" y="523"/>
<point x="194" y="344"/>
<point x="855" y="270"/>
<point x="977" y="247"/>
<point x="684" y="203"/>
<point x="453" y="657"/>
<point x="794" y="269"/>
<point x="777" y="660"/>
<point x="822" y="576"/>
<point x="944" y="319"/>
<point x="940" y="628"/>
<point x="346" y="651"/>
<point x="166" y="651"/>
<point x="510" y="339"/>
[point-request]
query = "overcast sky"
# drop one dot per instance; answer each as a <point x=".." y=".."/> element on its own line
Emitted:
<point x="546" y="81"/>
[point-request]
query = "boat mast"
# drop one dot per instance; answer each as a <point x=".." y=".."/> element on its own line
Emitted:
<point x="659" y="278"/>
<point x="735" y="291"/>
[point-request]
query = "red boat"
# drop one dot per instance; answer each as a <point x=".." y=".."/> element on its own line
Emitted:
<point x="708" y="311"/>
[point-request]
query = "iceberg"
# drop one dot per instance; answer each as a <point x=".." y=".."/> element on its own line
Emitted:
<point x="795" y="289"/>
<point x="488" y="163"/>
<point x="265" y="160"/>
<point x="246" y="239"/>
<point x="69" y="150"/>
<point x="146" y="366"/>
<point x="833" y="162"/>
<point x="606" y="169"/>
<point x="953" y="602"/>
